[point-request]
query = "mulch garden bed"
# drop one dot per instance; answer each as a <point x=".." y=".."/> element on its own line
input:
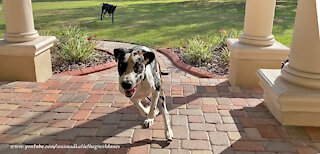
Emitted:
<point x="60" y="65"/>
<point x="212" y="67"/>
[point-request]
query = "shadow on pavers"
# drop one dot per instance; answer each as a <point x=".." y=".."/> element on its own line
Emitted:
<point x="254" y="128"/>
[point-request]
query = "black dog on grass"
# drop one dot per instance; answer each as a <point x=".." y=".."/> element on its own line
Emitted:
<point x="108" y="8"/>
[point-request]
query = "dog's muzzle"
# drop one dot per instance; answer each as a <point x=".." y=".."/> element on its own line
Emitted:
<point x="130" y="92"/>
<point x="128" y="89"/>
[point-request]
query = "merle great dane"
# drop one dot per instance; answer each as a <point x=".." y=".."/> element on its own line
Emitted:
<point x="140" y="76"/>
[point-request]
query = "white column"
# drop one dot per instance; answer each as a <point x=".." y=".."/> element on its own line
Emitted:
<point x="304" y="66"/>
<point x="256" y="48"/>
<point x="24" y="55"/>
<point x="292" y="93"/>
<point x="258" y="22"/>
<point x="19" y="21"/>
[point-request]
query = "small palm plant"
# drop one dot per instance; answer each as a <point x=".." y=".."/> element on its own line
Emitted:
<point x="223" y="56"/>
<point x="75" y="45"/>
<point x="211" y="48"/>
<point x="198" y="50"/>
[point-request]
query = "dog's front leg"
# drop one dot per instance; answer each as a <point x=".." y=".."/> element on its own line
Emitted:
<point x="143" y="111"/>
<point x="152" y="114"/>
<point x="102" y="13"/>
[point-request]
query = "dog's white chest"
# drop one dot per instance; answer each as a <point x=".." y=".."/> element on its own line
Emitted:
<point x="143" y="90"/>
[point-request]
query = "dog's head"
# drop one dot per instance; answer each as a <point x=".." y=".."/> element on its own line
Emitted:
<point x="131" y="67"/>
<point x="112" y="8"/>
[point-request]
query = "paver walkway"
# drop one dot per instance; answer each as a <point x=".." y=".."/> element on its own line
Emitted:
<point x="208" y="116"/>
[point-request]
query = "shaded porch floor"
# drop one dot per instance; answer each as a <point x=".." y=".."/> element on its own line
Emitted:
<point x="208" y="116"/>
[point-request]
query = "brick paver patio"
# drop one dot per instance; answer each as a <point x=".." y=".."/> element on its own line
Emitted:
<point x="208" y="116"/>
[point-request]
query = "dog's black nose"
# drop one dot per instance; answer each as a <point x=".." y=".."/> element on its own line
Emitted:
<point x="127" y="85"/>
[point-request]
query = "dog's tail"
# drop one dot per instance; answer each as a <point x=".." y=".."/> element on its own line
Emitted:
<point x="164" y="73"/>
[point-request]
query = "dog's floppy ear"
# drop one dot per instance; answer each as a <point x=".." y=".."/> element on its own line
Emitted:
<point x="119" y="52"/>
<point x="148" y="57"/>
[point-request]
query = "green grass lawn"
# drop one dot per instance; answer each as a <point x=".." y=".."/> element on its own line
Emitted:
<point x="154" y="23"/>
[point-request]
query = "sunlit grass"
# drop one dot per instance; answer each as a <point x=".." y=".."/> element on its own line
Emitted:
<point x="154" y="23"/>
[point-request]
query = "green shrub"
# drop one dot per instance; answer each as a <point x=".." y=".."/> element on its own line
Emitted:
<point x="198" y="50"/>
<point x="210" y="47"/>
<point x="75" y="45"/>
<point x="223" y="56"/>
<point x="221" y="52"/>
<point x="219" y="39"/>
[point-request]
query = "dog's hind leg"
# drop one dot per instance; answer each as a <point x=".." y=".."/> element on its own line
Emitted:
<point x="168" y="131"/>
<point x="112" y="19"/>
<point x="143" y="111"/>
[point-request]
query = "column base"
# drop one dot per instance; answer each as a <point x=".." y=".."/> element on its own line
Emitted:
<point x="305" y="79"/>
<point x="247" y="59"/>
<point x="27" y="61"/>
<point x="253" y="40"/>
<point x="290" y="104"/>
<point x="21" y="37"/>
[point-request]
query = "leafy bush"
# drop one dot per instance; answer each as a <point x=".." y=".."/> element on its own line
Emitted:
<point x="198" y="50"/>
<point x="223" y="57"/>
<point x="224" y="34"/>
<point x="221" y="53"/>
<point x="207" y="48"/>
<point x="75" y="44"/>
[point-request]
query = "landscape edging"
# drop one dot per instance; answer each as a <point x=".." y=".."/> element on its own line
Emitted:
<point x="186" y="67"/>
<point x="92" y="69"/>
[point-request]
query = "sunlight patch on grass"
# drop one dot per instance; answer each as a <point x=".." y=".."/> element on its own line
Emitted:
<point x="160" y="23"/>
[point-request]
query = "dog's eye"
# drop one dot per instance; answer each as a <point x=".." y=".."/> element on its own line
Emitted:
<point x="121" y="68"/>
<point x="138" y="68"/>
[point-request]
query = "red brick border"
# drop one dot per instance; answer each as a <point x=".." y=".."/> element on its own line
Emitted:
<point x="167" y="52"/>
<point x="188" y="68"/>
<point x="92" y="69"/>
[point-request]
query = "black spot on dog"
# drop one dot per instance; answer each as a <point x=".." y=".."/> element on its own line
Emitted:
<point x="158" y="86"/>
<point x="138" y="66"/>
<point x="284" y="62"/>
<point x="140" y="77"/>
<point x="119" y="55"/>
<point x="122" y="67"/>
<point x="157" y="82"/>
<point x="162" y="98"/>
<point x="149" y="57"/>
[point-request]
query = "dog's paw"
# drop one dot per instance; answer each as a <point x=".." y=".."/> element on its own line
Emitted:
<point x="169" y="135"/>
<point x="148" y="122"/>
